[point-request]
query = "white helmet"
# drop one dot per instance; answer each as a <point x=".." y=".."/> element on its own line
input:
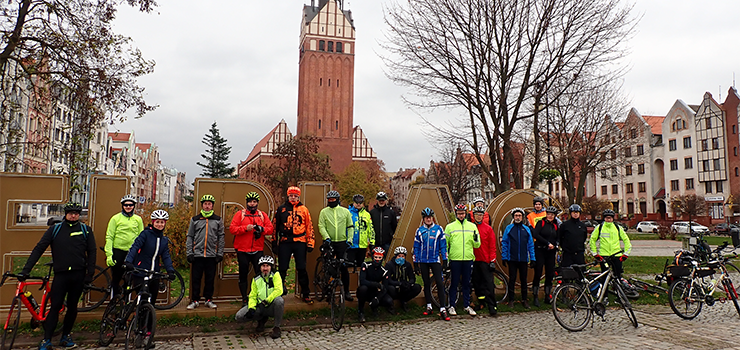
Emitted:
<point x="160" y="214"/>
<point x="128" y="198"/>
<point x="266" y="259"/>
<point x="400" y="250"/>
<point x="479" y="199"/>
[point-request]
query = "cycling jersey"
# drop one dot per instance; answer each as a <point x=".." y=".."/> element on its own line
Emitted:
<point x="122" y="231"/>
<point x="608" y="235"/>
<point x="429" y="244"/>
<point x="363" y="228"/>
<point x="336" y="224"/>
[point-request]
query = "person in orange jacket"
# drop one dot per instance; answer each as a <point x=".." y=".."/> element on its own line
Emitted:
<point x="295" y="231"/>
<point x="538" y="203"/>
<point x="249" y="226"/>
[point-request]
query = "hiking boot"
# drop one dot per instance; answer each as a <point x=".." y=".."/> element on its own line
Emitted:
<point x="511" y="304"/>
<point x="374" y="303"/>
<point x="470" y="311"/>
<point x="493" y="311"/>
<point x="361" y="317"/>
<point x="275" y="333"/>
<point x="261" y="325"/>
<point x="67" y="343"/>
<point x="210" y="304"/>
<point x="404" y="307"/>
<point x="443" y="315"/>
<point x="526" y="303"/>
<point x="193" y="305"/>
<point x="451" y="311"/>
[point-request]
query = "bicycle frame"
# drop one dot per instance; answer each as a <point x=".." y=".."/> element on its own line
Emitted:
<point x="697" y="282"/>
<point x="20" y="292"/>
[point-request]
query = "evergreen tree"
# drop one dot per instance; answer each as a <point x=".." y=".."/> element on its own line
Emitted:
<point x="216" y="156"/>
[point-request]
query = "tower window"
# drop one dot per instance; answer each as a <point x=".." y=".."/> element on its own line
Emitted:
<point x="321" y="81"/>
<point x="321" y="45"/>
<point x="330" y="48"/>
<point x="337" y="124"/>
<point x="319" y="123"/>
<point x="339" y="49"/>
<point x="329" y="80"/>
<point x="338" y="86"/>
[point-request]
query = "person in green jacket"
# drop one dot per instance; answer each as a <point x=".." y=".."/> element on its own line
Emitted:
<point x="462" y="237"/>
<point x="609" y="235"/>
<point x="337" y="229"/>
<point x="364" y="234"/>
<point x="123" y="228"/>
<point x="265" y="298"/>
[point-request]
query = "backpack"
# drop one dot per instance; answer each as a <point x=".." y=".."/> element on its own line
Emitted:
<point x="58" y="226"/>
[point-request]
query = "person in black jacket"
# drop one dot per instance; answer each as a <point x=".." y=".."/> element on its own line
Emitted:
<point x="572" y="236"/>
<point x="545" y="248"/>
<point x="373" y="285"/>
<point x="73" y="252"/>
<point x="401" y="278"/>
<point x="384" y="222"/>
<point x="148" y="248"/>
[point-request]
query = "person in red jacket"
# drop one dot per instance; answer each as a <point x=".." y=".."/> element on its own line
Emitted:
<point x="249" y="227"/>
<point x="485" y="259"/>
<point x="479" y="202"/>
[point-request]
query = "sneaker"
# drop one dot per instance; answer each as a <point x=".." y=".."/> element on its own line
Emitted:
<point x="210" y="304"/>
<point x="428" y="311"/>
<point x="451" y="311"/>
<point x="67" y="343"/>
<point x="45" y="344"/>
<point x="261" y="325"/>
<point x="361" y="317"/>
<point x="192" y="305"/>
<point x="275" y="333"/>
<point x="470" y="311"/>
<point x="308" y="300"/>
<point x="443" y="315"/>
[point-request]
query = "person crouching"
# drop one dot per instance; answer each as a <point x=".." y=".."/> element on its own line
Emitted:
<point x="265" y="298"/>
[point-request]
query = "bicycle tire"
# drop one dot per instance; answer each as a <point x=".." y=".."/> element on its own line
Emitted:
<point x="732" y="293"/>
<point x="629" y="290"/>
<point x="337" y="305"/>
<point x="318" y="279"/>
<point x="109" y="323"/>
<point x="500" y="286"/>
<point x="681" y="302"/>
<point x="624" y="300"/>
<point x="11" y="324"/>
<point x="141" y="328"/>
<point x="571" y="306"/>
<point x="447" y="281"/>
<point x="647" y="287"/>
<point x="733" y="274"/>
<point x="176" y="287"/>
<point x="94" y="294"/>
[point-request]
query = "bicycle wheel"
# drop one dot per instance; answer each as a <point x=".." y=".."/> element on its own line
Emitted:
<point x="622" y="299"/>
<point x="109" y="322"/>
<point x="630" y="290"/>
<point x="337" y="305"/>
<point x="434" y="291"/>
<point x="571" y="306"/>
<point x="11" y="324"/>
<point x="95" y="293"/>
<point x="141" y="328"/>
<point x="731" y="293"/>
<point x="500" y="286"/>
<point x="319" y="280"/>
<point x="176" y="289"/>
<point x="683" y="304"/>
<point x="733" y="274"/>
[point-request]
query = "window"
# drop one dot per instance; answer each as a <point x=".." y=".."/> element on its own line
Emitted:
<point x="603" y="190"/>
<point x="716" y="164"/>
<point x="640" y="168"/>
<point x="339" y="47"/>
<point x="614" y="154"/>
<point x="603" y="173"/>
<point x="672" y="145"/>
<point x="336" y="125"/>
<point x="321" y="45"/>
<point x="628" y="188"/>
<point x="737" y="173"/>
<point x="715" y="142"/>
<point x="628" y="170"/>
<point x="734" y="129"/>
<point x="321" y="81"/>
<point x="330" y="46"/>
<point x="674" y="185"/>
<point x="703" y="145"/>
<point x="614" y="171"/>
<point x="674" y="164"/>
<point x="687" y="142"/>
<point x="705" y="165"/>
<point x="708" y="187"/>
<point x="615" y="189"/>
<point x="689" y="184"/>
<point x="640" y="150"/>
<point x="319" y="123"/>
<point x="734" y="150"/>
<point x="709" y="123"/>
<point x="633" y="133"/>
<point x="641" y="187"/>
<point x="688" y="163"/>
<point x="628" y="152"/>
<point x="720" y="188"/>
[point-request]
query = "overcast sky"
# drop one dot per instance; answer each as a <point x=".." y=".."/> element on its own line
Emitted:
<point x="237" y="64"/>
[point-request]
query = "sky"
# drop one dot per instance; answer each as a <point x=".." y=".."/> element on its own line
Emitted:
<point x="237" y="64"/>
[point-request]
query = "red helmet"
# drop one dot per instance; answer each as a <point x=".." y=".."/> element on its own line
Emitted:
<point x="294" y="190"/>
<point x="461" y="207"/>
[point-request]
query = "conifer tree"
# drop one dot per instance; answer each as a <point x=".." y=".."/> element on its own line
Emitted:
<point x="217" y="156"/>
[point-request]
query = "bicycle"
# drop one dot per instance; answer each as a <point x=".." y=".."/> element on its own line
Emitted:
<point x="141" y="327"/>
<point x="329" y="284"/>
<point x="500" y="284"/>
<point x="574" y="303"/>
<point x="22" y="298"/>
<point x="688" y="293"/>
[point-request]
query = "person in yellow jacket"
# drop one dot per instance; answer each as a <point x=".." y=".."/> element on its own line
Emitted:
<point x="265" y="298"/>
<point x="337" y="229"/>
<point x="609" y="235"/>
<point x="462" y="237"/>
<point x="123" y="228"/>
<point x="364" y="234"/>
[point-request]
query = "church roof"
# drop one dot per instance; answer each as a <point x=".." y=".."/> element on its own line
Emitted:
<point x="270" y="142"/>
<point x="361" y="149"/>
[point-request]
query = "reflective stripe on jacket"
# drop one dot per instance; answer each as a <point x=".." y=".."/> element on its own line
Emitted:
<point x="364" y="234"/>
<point x="336" y="224"/>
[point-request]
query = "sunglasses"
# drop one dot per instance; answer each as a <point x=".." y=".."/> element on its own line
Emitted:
<point x="128" y="205"/>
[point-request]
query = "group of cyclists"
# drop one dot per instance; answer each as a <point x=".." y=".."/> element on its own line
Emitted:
<point x="466" y="249"/>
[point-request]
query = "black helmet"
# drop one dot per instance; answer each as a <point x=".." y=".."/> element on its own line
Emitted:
<point x="552" y="209"/>
<point x="358" y="198"/>
<point x="608" y="212"/>
<point x="427" y="212"/>
<point x="332" y="194"/>
<point x="72" y="206"/>
<point x="574" y="208"/>
<point x="538" y="199"/>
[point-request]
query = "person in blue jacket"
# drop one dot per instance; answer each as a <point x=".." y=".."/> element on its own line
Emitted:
<point x="148" y="248"/>
<point x="430" y="253"/>
<point x="517" y="250"/>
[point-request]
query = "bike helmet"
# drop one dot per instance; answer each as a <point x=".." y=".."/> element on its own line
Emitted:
<point x="461" y="207"/>
<point x="207" y="198"/>
<point x="479" y="210"/>
<point x="427" y="212"/>
<point x="608" y="212"/>
<point x="252" y="196"/>
<point x="574" y="208"/>
<point x="72" y="206"/>
<point x="160" y="214"/>
<point x="266" y="259"/>
<point x="381" y="195"/>
<point x="479" y="199"/>
<point x="378" y="250"/>
<point x="332" y="194"/>
<point x="538" y="199"/>
<point x="294" y="190"/>
<point x="358" y="198"/>
<point x="552" y="209"/>
<point x="517" y="210"/>
<point x="400" y="250"/>
<point x="128" y="198"/>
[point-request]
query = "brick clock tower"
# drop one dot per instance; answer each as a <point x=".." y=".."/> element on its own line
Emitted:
<point x="326" y="79"/>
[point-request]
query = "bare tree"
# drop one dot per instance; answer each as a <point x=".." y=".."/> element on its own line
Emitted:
<point x="486" y="57"/>
<point x="594" y="206"/>
<point x="454" y="170"/>
<point x="688" y="204"/>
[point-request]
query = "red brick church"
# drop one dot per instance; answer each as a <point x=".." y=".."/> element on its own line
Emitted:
<point x="325" y="90"/>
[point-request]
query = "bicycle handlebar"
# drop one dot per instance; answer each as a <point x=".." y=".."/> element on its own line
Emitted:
<point x="148" y="272"/>
<point x="8" y="274"/>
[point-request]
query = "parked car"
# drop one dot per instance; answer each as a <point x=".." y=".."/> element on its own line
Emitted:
<point x="648" y="226"/>
<point x="725" y="229"/>
<point x="683" y="227"/>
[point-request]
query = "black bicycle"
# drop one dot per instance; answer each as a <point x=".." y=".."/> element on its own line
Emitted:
<point x="329" y="284"/>
<point x="500" y="285"/>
